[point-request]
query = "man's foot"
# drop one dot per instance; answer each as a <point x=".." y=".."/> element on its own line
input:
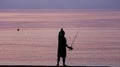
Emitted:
<point x="57" y="65"/>
<point x="65" y="65"/>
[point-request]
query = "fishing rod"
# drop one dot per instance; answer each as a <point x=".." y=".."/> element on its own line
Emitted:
<point x="74" y="39"/>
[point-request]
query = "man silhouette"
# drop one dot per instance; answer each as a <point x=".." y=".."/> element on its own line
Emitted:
<point x="62" y="44"/>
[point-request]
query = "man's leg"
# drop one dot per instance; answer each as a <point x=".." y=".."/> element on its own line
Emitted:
<point x="58" y="60"/>
<point x="64" y="61"/>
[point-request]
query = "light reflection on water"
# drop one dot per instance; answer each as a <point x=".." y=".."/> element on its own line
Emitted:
<point x="36" y="46"/>
<point x="36" y="43"/>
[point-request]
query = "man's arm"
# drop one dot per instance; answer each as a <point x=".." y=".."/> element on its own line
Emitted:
<point x="69" y="47"/>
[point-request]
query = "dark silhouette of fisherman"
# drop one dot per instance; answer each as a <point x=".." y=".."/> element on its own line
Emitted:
<point x="62" y="44"/>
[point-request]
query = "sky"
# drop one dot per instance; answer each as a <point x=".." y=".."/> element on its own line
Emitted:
<point x="59" y="4"/>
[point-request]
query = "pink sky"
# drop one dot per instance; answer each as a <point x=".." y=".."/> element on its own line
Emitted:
<point x="58" y="19"/>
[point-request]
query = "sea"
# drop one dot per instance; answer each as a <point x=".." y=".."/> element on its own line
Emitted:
<point x="93" y="34"/>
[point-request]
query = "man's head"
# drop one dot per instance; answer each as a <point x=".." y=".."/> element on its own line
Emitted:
<point x="61" y="29"/>
<point x="62" y="32"/>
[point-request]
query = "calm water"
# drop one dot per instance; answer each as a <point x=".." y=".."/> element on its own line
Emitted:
<point x="98" y="41"/>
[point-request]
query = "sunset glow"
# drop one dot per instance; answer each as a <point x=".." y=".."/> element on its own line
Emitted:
<point x="29" y="32"/>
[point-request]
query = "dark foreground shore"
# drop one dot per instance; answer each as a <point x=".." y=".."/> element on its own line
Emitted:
<point x="44" y="66"/>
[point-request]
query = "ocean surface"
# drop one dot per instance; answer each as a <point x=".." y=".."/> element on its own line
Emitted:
<point x="97" y="42"/>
